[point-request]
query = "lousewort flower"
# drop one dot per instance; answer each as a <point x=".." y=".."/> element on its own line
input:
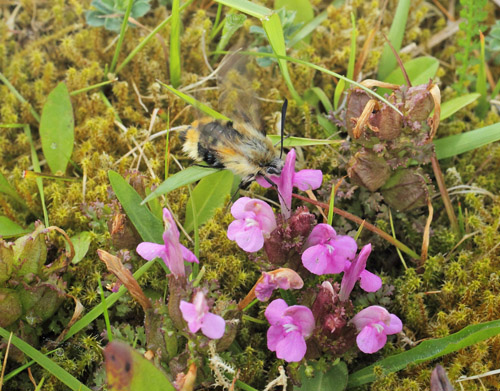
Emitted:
<point x="255" y="221"/>
<point x="281" y="278"/>
<point x="171" y="251"/>
<point x="355" y="271"/>
<point x="304" y="180"/>
<point x="327" y="252"/>
<point x="374" y="324"/>
<point x="197" y="317"/>
<point x="290" y="326"/>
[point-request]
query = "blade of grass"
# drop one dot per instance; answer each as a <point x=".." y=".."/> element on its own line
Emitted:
<point x="92" y="87"/>
<point x="481" y="86"/>
<point x="175" y="46"/>
<point x="308" y="28"/>
<point x="451" y="106"/>
<point x="274" y="31"/>
<point x="300" y="141"/>
<point x="396" y="33"/>
<point x="18" y="370"/>
<point x="215" y="26"/>
<point x="19" y="97"/>
<point x="105" y="311"/>
<point x="341" y="86"/>
<point x="46" y="363"/>
<point x="195" y="267"/>
<point x="36" y="168"/>
<point x="148" y="38"/>
<point x="394" y="236"/>
<point x="122" y="36"/>
<point x="459" y="143"/>
<point x="248" y="7"/>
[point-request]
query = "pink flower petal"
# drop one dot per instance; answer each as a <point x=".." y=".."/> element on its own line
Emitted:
<point x="261" y="181"/>
<point x="345" y="247"/>
<point x="285" y="184"/>
<point x="369" y="281"/>
<point x="235" y="227"/>
<point x="308" y="179"/>
<point x="315" y="260"/>
<point x="292" y="348"/>
<point x="321" y="233"/>
<point x="170" y="225"/>
<point x="395" y="326"/>
<point x="150" y="251"/>
<point x="275" y="310"/>
<point x="370" y="340"/>
<point x="188" y="255"/>
<point x="372" y="314"/>
<point x="213" y="326"/>
<point x="302" y="316"/>
<point x="190" y="315"/>
<point x="274" y="335"/>
<point x="238" y="209"/>
<point x="250" y="240"/>
<point x="335" y="263"/>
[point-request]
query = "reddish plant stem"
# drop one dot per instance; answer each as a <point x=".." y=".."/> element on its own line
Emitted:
<point x="367" y="225"/>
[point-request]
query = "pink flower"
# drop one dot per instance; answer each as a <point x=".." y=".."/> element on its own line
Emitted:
<point x="280" y="278"/>
<point x="356" y="271"/>
<point x="326" y="252"/>
<point x="374" y="325"/>
<point x="255" y="221"/>
<point x="290" y="326"/>
<point x="197" y="317"/>
<point x="171" y="251"/>
<point x="304" y="180"/>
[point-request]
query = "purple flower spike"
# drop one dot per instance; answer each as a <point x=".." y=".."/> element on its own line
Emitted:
<point x="356" y="271"/>
<point x="374" y="325"/>
<point x="255" y="221"/>
<point x="290" y="326"/>
<point x="280" y="278"/>
<point x="304" y="180"/>
<point x="197" y="317"/>
<point x="327" y="252"/>
<point x="171" y="251"/>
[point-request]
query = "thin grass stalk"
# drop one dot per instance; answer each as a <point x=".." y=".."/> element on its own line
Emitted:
<point x="122" y="36"/>
<point x="19" y="97"/>
<point x="175" y="46"/>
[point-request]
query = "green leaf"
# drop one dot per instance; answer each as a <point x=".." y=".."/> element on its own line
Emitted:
<point x="208" y="195"/>
<point x="195" y="103"/>
<point x="451" y="106"/>
<point x="175" y="45"/>
<point x="9" y="228"/>
<point x="81" y="243"/>
<point x="127" y="370"/>
<point x="149" y="227"/>
<point x="419" y="70"/>
<point x="327" y="125"/>
<point x="6" y="188"/>
<point x="179" y="179"/>
<point x="301" y="142"/>
<point x="322" y="97"/>
<point x="305" y="12"/>
<point x="57" y="129"/>
<point x="232" y="23"/>
<point x="333" y="380"/>
<point x="248" y="8"/>
<point x="387" y="61"/>
<point x="459" y="143"/>
<point x="274" y="31"/>
<point x="428" y="350"/>
<point x="308" y="29"/>
<point x="45" y="362"/>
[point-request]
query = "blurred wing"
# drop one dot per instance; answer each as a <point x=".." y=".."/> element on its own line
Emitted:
<point x="237" y="98"/>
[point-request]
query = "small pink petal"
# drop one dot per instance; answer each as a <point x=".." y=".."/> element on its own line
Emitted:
<point x="188" y="255"/>
<point x="303" y="316"/>
<point x="213" y="326"/>
<point x="314" y="259"/>
<point x="292" y="348"/>
<point x="190" y="315"/>
<point x="345" y="247"/>
<point x="335" y="263"/>
<point x="395" y="326"/>
<point x="370" y="282"/>
<point x="250" y="240"/>
<point x="372" y="314"/>
<point x="308" y="179"/>
<point x="274" y="335"/>
<point x="261" y="181"/>
<point x="275" y="310"/>
<point x="235" y="227"/>
<point x="238" y="209"/>
<point x="369" y="340"/>
<point x="150" y="251"/>
<point x="321" y="233"/>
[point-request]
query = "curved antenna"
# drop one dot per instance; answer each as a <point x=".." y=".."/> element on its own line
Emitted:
<point x="283" y="115"/>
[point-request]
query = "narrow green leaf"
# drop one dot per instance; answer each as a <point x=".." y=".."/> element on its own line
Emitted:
<point x="127" y="370"/>
<point x="121" y="37"/>
<point x="248" y="8"/>
<point x="81" y="243"/>
<point x="481" y="86"/>
<point x="57" y="129"/>
<point x="335" y="379"/>
<point x="179" y="179"/>
<point x="308" y="28"/>
<point x="328" y="126"/>
<point x="459" y="143"/>
<point x="175" y="45"/>
<point x="323" y="98"/>
<point x="232" y="23"/>
<point x="451" y="106"/>
<point x="274" y="31"/>
<point x="149" y="227"/>
<point x="45" y="362"/>
<point x="301" y="142"/>
<point x="97" y="311"/>
<point x="387" y="61"/>
<point x="303" y="8"/>
<point x="208" y="195"/>
<point x="428" y="350"/>
<point x="9" y="228"/>
<point x="7" y="188"/>
<point x="341" y="86"/>
<point x="419" y="70"/>
<point x="195" y="103"/>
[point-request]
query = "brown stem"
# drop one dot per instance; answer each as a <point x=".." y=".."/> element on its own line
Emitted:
<point x="438" y="174"/>
<point x="367" y="225"/>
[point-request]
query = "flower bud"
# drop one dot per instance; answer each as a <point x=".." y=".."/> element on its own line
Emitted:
<point x="406" y="190"/>
<point x="368" y="170"/>
<point x="419" y="103"/>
